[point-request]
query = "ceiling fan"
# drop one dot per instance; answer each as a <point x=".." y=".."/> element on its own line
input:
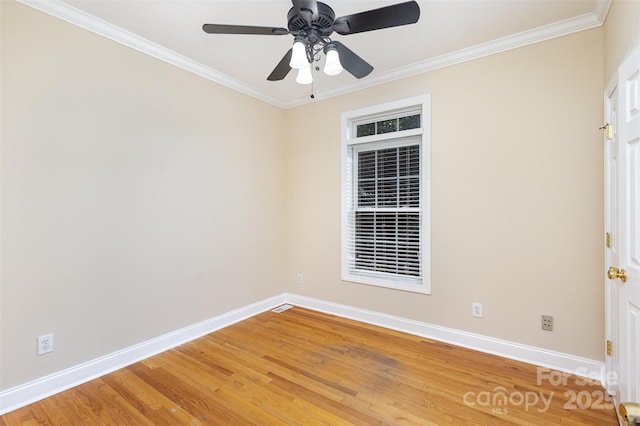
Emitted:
<point x="311" y="23"/>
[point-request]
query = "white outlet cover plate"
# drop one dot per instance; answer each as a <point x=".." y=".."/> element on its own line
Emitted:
<point x="45" y="344"/>
<point x="476" y="310"/>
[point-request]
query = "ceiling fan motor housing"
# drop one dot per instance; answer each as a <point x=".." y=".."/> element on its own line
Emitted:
<point x="323" y="23"/>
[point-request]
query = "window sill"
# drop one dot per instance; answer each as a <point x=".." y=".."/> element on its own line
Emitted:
<point x="422" y="288"/>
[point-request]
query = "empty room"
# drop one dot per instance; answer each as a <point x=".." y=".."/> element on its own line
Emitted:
<point x="301" y="212"/>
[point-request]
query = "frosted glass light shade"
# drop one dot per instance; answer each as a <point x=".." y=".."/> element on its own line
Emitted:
<point x="332" y="65"/>
<point x="304" y="75"/>
<point x="298" y="56"/>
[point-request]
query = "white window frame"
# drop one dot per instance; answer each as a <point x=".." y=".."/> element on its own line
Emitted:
<point x="349" y="121"/>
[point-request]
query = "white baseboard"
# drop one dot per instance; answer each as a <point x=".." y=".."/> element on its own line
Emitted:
<point x="584" y="367"/>
<point x="25" y="394"/>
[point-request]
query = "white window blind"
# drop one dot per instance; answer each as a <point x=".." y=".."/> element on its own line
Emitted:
<point x="386" y="214"/>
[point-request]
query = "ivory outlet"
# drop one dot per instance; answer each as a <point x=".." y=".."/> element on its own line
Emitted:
<point x="476" y="310"/>
<point x="299" y="278"/>
<point x="547" y="322"/>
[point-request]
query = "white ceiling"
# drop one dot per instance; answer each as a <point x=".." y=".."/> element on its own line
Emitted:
<point x="448" y="32"/>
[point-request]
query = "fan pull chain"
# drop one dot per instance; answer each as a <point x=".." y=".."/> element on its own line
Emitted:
<point x="313" y="80"/>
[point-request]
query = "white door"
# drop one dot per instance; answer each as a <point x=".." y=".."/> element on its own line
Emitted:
<point x="623" y="224"/>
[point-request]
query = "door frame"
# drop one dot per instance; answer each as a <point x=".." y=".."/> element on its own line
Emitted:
<point x="611" y="310"/>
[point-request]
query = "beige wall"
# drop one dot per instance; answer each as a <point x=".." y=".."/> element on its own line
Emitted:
<point x="621" y="31"/>
<point x="136" y="200"/>
<point x="516" y="196"/>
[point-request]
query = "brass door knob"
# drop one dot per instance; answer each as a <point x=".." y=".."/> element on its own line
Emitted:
<point x="630" y="412"/>
<point x="614" y="273"/>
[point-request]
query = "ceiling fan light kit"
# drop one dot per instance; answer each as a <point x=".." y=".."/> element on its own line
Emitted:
<point x="332" y="65"/>
<point x="299" y="54"/>
<point x="311" y="23"/>
<point x="304" y="76"/>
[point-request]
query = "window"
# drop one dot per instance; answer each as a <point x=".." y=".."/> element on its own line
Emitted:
<point x="385" y="187"/>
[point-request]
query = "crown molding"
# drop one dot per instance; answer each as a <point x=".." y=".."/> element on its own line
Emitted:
<point x="525" y="38"/>
<point x="601" y="10"/>
<point x="101" y="27"/>
<point x="96" y="25"/>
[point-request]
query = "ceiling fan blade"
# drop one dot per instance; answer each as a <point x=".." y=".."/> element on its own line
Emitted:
<point x="308" y="9"/>
<point x="282" y="69"/>
<point x="242" y="29"/>
<point x="377" y="19"/>
<point x="351" y="62"/>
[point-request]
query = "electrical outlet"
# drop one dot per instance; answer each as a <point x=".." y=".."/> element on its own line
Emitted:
<point x="45" y="344"/>
<point x="299" y="278"/>
<point x="547" y="322"/>
<point x="476" y="310"/>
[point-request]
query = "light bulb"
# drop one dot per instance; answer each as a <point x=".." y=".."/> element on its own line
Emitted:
<point x="304" y="75"/>
<point x="299" y="55"/>
<point x="332" y="65"/>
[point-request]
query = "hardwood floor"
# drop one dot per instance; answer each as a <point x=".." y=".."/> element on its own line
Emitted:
<point x="301" y="367"/>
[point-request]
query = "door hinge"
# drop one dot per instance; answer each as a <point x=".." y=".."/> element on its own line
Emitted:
<point x="608" y="130"/>
<point x="607" y="239"/>
<point x="609" y="347"/>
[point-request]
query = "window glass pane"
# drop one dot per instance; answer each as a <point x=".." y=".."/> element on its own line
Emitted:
<point x="364" y="244"/>
<point x="365" y="130"/>
<point x="387" y="126"/>
<point x="409" y="192"/>
<point x="367" y="179"/>
<point x="409" y="244"/>
<point x="386" y="228"/>
<point x="388" y="193"/>
<point x="409" y="122"/>
<point x="409" y="161"/>
<point x="385" y="225"/>
<point x="367" y="193"/>
<point x="387" y="177"/>
<point x="367" y="165"/>
<point x="387" y="163"/>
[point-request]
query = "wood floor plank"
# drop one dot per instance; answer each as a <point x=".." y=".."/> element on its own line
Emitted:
<point x="109" y="406"/>
<point x="147" y="400"/>
<point x="302" y="367"/>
